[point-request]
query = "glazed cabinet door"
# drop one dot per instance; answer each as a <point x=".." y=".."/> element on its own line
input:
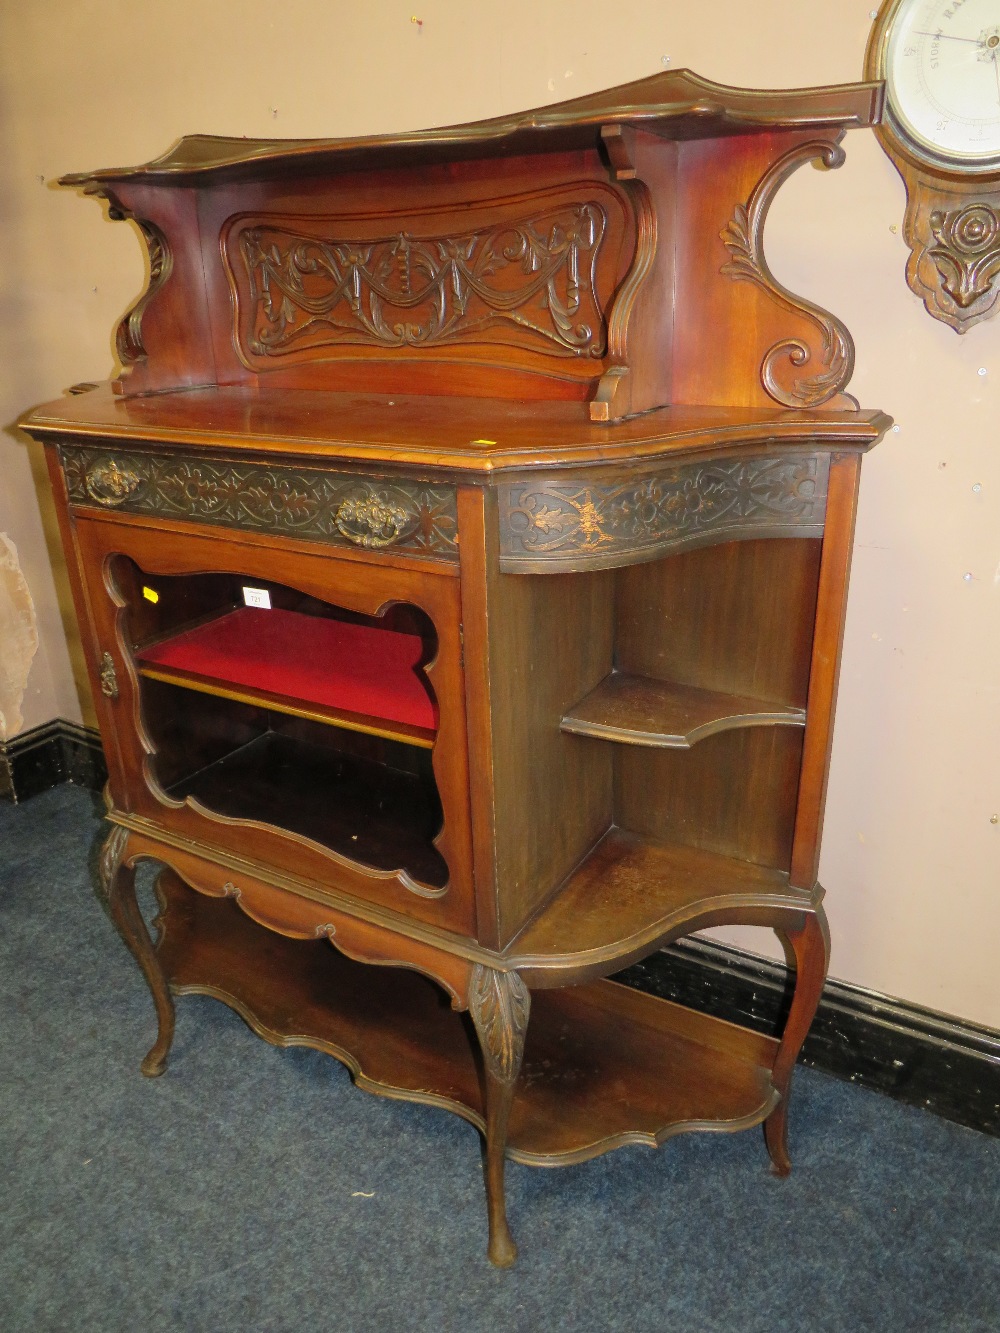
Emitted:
<point x="296" y="708"/>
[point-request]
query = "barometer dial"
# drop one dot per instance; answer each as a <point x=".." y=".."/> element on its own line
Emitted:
<point x="942" y="72"/>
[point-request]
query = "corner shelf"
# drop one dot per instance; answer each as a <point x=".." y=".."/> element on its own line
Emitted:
<point x="352" y="676"/>
<point x="637" y="710"/>
<point x="651" y="891"/>
<point x="604" y="1065"/>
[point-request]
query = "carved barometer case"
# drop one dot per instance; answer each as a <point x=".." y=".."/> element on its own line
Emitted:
<point x="941" y="63"/>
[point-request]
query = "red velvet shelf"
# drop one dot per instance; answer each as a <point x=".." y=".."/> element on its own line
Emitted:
<point x="348" y="675"/>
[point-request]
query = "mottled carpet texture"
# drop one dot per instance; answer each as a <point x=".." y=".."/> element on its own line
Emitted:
<point x="252" y="1188"/>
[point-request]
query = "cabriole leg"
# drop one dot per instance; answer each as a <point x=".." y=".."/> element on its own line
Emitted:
<point x="118" y="885"/>
<point x="499" y="1003"/>
<point x="811" y="945"/>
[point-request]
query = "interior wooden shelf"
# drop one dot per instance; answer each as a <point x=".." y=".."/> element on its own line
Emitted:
<point x="647" y="890"/>
<point x="366" y="811"/>
<point x="346" y="675"/>
<point x="636" y="710"/>
<point x="578" y="1094"/>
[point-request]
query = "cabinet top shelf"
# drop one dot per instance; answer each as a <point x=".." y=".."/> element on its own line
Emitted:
<point x="673" y="105"/>
<point x="475" y="435"/>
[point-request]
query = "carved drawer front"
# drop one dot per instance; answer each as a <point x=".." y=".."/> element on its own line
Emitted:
<point x="368" y="514"/>
<point x="553" y="525"/>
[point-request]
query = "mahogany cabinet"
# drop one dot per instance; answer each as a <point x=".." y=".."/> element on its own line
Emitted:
<point x="461" y="558"/>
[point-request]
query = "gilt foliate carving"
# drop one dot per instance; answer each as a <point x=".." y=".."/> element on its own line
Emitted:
<point x="500" y="1004"/>
<point x="797" y="371"/>
<point x="568" y="525"/>
<point x="529" y="282"/>
<point x="311" y="504"/>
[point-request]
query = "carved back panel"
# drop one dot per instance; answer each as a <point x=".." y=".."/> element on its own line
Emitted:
<point x="532" y="274"/>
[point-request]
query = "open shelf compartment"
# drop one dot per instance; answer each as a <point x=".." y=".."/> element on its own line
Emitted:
<point x="353" y="676"/>
<point x="648" y="889"/>
<point x="604" y="1065"/>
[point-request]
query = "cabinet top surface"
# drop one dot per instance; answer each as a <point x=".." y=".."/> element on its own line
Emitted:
<point x="674" y="105"/>
<point x="471" y="435"/>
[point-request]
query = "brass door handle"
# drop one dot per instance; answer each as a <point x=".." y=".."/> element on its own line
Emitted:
<point x="109" y="677"/>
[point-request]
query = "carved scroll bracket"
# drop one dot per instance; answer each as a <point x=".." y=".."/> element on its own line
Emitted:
<point x="128" y="338"/>
<point x="794" y="372"/>
<point x="613" y="399"/>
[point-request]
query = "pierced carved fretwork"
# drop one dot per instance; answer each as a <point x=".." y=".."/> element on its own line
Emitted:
<point x="833" y="348"/>
<point x="319" y="506"/>
<point x="529" y="282"/>
<point x="549" y="526"/>
<point x="500" y="1005"/>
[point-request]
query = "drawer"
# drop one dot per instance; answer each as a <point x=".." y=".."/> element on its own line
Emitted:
<point x="339" y="509"/>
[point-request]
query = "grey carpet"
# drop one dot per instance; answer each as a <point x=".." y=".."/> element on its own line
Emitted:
<point x="256" y="1189"/>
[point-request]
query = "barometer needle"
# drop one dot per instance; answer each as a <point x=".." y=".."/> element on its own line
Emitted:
<point x="947" y="36"/>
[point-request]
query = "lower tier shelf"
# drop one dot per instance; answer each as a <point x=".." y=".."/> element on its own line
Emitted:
<point x="604" y="1065"/>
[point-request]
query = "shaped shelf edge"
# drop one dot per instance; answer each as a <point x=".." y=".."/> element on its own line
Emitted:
<point x="637" y="710"/>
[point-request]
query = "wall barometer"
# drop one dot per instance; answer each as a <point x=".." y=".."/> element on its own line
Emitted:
<point x="941" y="63"/>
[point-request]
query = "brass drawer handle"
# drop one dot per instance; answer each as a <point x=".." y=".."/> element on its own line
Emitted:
<point x="110" y="484"/>
<point x="371" y="522"/>
<point x="109" y="677"/>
